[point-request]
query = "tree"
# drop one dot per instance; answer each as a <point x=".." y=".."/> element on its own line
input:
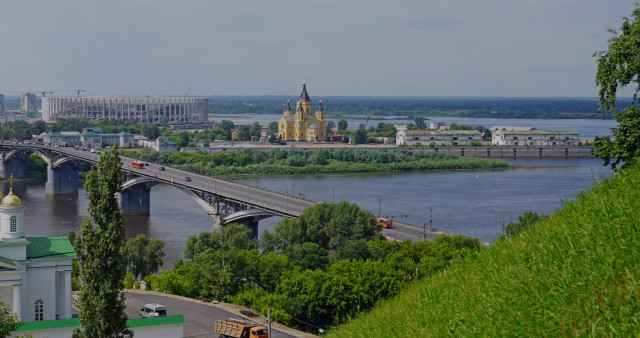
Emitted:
<point x="420" y="124"/>
<point x="143" y="256"/>
<point x="343" y="124"/>
<point x="618" y="67"/>
<point x="227" y="126"/>
<point x="330" y="126"/>
<point x="308" y="256"/>
<point x="273" y="126"/>
<point x="99" y="251"/>
<point x="8" y="321"/>
<point x="150" y="130"/>
<point x="360" y="136"/>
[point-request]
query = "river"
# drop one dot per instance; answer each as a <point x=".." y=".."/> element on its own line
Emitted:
<point x="462" y="202"/>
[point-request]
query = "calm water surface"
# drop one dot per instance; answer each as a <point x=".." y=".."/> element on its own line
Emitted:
<point x="467" y="203"/>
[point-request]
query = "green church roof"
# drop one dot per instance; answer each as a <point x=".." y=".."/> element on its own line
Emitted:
<point x="72" y="322"/>
<point x="39" y="247"/>
<point x="10" y="262"/>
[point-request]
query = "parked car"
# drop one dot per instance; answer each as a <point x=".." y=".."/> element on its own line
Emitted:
<point x="152" y="310"/>
<point x="161" y="168"/>
<point x="187" y="178"/>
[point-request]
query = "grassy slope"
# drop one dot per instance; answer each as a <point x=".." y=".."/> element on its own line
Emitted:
<point x="576" y="274"/>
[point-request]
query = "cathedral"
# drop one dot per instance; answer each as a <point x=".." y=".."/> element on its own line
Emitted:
<point x="304" y="125"/>
<point x="35" y="272"/>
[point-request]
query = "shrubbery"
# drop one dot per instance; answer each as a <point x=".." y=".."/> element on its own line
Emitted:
<point x="277" y="161"/>
<point x="325" y="267"/>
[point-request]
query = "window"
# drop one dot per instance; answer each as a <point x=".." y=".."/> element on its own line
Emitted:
<point x="515" y="137"/>
<point x="39" y="310"/>
<point x="469" y="138"/>
<point x="529" y="138"/>
<point x="455" y="137"/>
<point x="14" y="224"/>
<point x="432" y="138"/>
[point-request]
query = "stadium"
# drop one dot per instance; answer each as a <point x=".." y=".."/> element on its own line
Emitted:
<point x="142" y="109"/>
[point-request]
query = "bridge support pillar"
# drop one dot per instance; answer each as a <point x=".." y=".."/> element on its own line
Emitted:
<point x="136" y="200"/>
<point x="218" y="222"/>
<point x="62" y="180"/>
<point x="15" y="165"/>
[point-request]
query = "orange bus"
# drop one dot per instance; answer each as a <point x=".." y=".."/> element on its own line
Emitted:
<point x="137" y="165"/>
<point x="385" y="223"/>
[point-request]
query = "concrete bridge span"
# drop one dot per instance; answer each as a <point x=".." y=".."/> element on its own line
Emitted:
<point x="225" y="201"/>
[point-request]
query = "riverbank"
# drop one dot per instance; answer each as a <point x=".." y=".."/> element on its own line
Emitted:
<point x="480" y="152"/>
<point x="294" y="161"/>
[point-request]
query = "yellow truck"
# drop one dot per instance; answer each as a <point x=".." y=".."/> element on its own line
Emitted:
<point x="236" y="328"/>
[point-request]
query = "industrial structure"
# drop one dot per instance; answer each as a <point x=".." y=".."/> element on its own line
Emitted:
<point x="304" y="126"/>
<point x="142" y="109"/>
<point x="29" y="103"/>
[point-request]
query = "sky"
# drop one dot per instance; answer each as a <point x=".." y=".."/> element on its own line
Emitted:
<point x="486" y="48"/>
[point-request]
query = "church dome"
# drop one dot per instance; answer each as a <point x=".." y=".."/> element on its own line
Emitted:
<point x="11" y="199"/>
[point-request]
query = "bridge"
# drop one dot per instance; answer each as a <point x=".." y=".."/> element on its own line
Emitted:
<point x="225" y="201"/>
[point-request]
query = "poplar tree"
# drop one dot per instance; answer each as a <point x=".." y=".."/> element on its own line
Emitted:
<point x="99" y="251"/>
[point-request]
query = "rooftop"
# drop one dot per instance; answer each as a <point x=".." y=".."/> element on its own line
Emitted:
<point x="40" y="247"/>
<point x="443" y="132"/>
<point x="537" y="132"/>
<point x="72" y="322"/>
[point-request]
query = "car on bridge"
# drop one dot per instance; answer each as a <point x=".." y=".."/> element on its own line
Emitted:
<point x="187" y="178"/>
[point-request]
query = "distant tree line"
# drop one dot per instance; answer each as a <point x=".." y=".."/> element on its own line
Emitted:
<point x="425" y="106"/>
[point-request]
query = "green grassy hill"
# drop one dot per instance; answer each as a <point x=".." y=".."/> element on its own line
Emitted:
<point x="577" y="273"/>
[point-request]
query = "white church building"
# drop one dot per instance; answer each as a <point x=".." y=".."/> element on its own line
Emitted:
<point x="35" y="272"/>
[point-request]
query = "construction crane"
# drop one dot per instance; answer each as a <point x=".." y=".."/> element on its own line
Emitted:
<point x="79" y="90"/>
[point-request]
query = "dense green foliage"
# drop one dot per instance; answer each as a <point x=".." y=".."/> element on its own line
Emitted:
<point x="573" y="274"/>
<point x="232" y="235"/>
<point x="100" y="255"/>
<point x="278" y="161"/>
<point x="618" y="67"/>
<point x="301" y="276"/>
<point x="9" y="320"/>
<point x="143" y="256"/>
<point x="525" y="221"/>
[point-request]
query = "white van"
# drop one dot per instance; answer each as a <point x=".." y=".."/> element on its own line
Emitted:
<point x="152" y="310"/>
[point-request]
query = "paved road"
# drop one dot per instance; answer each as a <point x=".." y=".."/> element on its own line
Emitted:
<point x="199" y="317"/>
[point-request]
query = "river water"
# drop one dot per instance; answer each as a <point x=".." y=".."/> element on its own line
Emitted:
<point x="462" y="202"/>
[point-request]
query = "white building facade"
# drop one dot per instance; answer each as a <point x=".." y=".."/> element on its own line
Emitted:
<point x="535" y="138"/>
<point x="436" y="137"/>
<point x="35" y="272"/>
<point x="142" y="109"/>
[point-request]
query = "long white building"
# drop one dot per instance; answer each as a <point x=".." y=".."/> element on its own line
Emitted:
<point x="535" y="138"/>
<point x="142" y="109"/>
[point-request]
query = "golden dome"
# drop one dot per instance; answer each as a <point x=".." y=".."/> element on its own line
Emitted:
<point x="11" y="199"/>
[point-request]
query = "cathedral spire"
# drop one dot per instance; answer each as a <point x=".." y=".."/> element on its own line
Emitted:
<point x="288" y="109"/>
<point x="304" y="96"/>
<point x="320" y="106"/>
